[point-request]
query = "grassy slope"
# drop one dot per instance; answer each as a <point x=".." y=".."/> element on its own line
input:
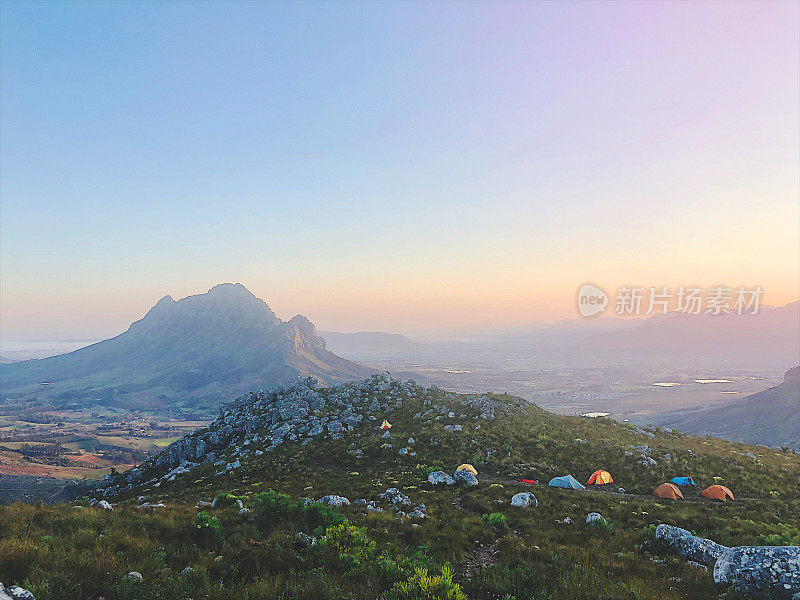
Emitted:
<point x="65" y="553"/>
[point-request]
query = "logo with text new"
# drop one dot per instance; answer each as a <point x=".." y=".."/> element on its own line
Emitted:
<point x="591" y="300"/>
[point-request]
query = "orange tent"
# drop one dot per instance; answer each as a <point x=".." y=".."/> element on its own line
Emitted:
<point x="600" y="477"/>
<point x="668" y="491"/>
<point x="718" y="492"/>
<point x="386" y="424"/>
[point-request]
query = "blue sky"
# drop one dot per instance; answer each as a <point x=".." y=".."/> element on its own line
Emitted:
<point x="396" y="166"/>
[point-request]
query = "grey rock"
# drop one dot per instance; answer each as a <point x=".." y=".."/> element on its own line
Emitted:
<point x="104" y="505"/>
<point x="689" y="546"/>
<point x="134" y="577"/>
<point x="334" y="500"/>
<point x="15" y="592"/>
<point x="524" y="500"/>
<point x="440" y="478"/>
<point x="396" y="497"/>
<point x="465" y="478"/>
<point x="187" y="571"/>
<point x="756" y="569"/>
<point x="595" y="519"/>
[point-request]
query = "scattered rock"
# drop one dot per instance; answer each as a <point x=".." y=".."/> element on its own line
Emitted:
<point x="334" y="500"/>
<point x="187" y="571"/>
<point x="104" y="505"/>
<point x="595" y="519"/>
<point x="396" y="497"/>
<point x="15" y="592"/>
<point x="465" y="477"/>
<point x="524" y="500"/>
<point x="134" y="577"/>
<point x="440" y="478"/>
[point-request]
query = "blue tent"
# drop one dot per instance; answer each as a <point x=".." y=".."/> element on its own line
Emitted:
<point x="683" y="481"/>
<point x="568" y="482"/>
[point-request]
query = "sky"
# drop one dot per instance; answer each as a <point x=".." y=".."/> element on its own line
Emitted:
<point x="406" y="167"/>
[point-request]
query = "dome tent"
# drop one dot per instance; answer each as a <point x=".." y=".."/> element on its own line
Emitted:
<point x="600" y="477"/>
<point x="467" y="467"/>
<point x="386" y="424"/>
<point x="683" y="481"/>
<point x="718" y="492"/>
<point x="567" y="482"/>
<point x="668" y="491"/>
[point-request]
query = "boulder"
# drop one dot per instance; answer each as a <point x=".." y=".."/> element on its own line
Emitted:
<point x="134" y="577"/>
<point x="334" y="500"/>
<point x="524" y="500"/>
<point x="15" y="592"/>
<point x="396" y="497"/>
<point x="440" y="478"/>
<point x="466" y="478"/>
<point x="771" y="570"/>
<point x="694" y="548"/>
<point x="104" y="505"/>
<point x="595" y="519"/>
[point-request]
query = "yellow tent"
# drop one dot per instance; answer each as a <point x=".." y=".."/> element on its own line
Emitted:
<point x="386" y="424"/>
<point x="468" y="467"/>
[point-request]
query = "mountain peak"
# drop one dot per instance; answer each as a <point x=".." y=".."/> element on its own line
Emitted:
<point x="230" y="290"/>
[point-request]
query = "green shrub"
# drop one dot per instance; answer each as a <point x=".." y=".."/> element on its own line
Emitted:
<point x="496" y="520"/>
<point x="421" y="586"/>
<point x="208" y="526"/>
<point x="347" y="548"/>
<point x="787" y="537"/>
<point x="270" y="507"/>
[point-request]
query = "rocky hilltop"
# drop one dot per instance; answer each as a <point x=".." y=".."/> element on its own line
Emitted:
<point x="193" y="353"/>
<point x="260" y="422"/>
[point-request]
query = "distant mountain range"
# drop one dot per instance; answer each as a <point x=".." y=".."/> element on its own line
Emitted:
<point x="193" y="353"/>
<point x="372" y="343"/>
<point x="770" y="418"/>
<point x="770" y="337"/>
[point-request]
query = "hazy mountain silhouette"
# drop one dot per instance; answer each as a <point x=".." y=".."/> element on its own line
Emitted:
<point x="770" y="337"/>
<point x="194" y="352"/>
<point x="770" y="418"/>
<point x="369" y="342"/>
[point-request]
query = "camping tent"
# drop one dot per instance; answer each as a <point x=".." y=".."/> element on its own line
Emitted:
<point x="683" y="481"/>
<point x="468" y="467"/>
<point x="600" y="477"/>
<point x="386" y="424"/>
<point x="566" y="481"/>
<point x="718" y="492"/>
<point x="668" y="491"/>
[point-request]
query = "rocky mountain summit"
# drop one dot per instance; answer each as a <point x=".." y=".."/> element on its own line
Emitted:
<point x="259" y="422"/>
<point x="193" y="353"/>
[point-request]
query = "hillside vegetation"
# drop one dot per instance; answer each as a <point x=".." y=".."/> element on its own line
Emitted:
<point x="272" y="450"/>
